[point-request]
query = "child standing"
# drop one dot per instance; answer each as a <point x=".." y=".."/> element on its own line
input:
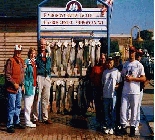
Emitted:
<point x="110" y="81"/>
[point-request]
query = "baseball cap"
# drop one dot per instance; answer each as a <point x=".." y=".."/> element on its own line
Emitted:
<point x="132" y="49"/>
<point x="139" y="52"/>
<point x="110" y="58"/>
<point x="18" y="48"/>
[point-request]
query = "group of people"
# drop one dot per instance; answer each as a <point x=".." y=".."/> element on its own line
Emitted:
<point x="115" y="90"/>
<point x="118" y="93"/>
<point x="24" y="76"/>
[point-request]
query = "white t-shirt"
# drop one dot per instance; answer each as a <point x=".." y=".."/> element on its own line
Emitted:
<point x="135" y="69"/>
<point x="109" y="80"/>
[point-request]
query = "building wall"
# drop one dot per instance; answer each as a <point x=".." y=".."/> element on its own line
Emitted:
<point x="16" y="31"/>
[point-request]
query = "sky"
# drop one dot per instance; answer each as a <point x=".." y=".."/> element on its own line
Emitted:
<point x="128" y="13"/>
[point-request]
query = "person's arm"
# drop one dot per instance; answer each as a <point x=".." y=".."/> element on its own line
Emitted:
<point x="119" y="80"/>
<point x="146" y="82"/>
<point x="142" y="78"/>
<point x="8" y="74"/>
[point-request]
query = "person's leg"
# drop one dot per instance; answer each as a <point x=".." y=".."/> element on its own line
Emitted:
<point x="45" y="97"/>
<point x="106" y="110"/>
<point x="98" y="104"/>
<point x="37" y="98"/>
<point x="113" y="112"/>
<point x="18" y="106"/>
<point x="139" y="105"/>
<point x="106" y="106"/>
<point x="28" y="105"/>
<point x="10" y="109"/>
<point x="123" y="111"/>
<point x="134" y="102"/>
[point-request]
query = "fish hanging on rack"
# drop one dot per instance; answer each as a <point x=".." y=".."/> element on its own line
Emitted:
<point x="58" y="55"/>
<point x="86" y="53"/>
<point x="97" y="50"/>
<point x="65" y="54"/>
<point x="72" y="56"/>
<point x="48" y="48"/>
<point x="70" y="96"/>
<point x="53" y="53"/>
<point x="92" y="52"/>
<point x="79" y="57"/>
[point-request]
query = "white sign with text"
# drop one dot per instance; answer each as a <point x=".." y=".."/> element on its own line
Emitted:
<point x="57" y="19"/>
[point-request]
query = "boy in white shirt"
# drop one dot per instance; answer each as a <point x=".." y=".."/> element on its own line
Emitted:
<point x="110" y="80"/>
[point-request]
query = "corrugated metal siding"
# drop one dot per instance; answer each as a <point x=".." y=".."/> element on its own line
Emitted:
<point x="16" y="32"/>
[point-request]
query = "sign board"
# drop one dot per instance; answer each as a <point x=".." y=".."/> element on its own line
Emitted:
<point x="71" y="18"/>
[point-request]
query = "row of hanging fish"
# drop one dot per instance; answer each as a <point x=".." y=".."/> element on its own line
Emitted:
<point x="69" y="51"/>
<point x="64" y="91"/>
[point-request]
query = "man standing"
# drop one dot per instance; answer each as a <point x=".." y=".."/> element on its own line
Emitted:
<point x="133" y="73"/>
<point x="43" y="62"/>
<point x="14" y="74"/>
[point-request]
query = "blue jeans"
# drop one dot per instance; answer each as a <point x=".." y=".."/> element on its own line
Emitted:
<point x="109" y="112"/>
<point x="14" y="108"/>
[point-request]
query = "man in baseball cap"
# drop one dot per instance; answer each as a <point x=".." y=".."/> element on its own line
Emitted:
<point x="14" y="74"/>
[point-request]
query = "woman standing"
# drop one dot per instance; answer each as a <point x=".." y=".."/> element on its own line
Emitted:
<point x="30" y="84"/>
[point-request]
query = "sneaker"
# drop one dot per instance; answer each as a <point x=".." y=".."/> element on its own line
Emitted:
<point x="11" y="129"/>
<point x="19" y="126"/>
<point x="111" y="131"/>
<point x="47" y="122"/>
<point x="136" y="128"/>
<point x="106" y="131"/>
<point x="137" y="131"/>
<point x="31" y="125"/>
<point x="36" y="122"/>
